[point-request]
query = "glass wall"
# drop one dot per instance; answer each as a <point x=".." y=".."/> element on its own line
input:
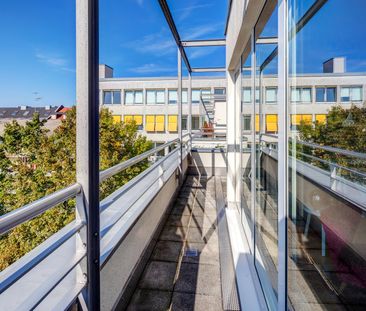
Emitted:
<point x="303" y="160"/>
<point x="326" y="220"/>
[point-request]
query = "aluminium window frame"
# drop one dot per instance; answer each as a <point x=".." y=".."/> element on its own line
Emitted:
<point x="350" y="87"/>
<point x="134" y="91"/>
<point x="326" y="87"/>
<point x="112" y="91"/>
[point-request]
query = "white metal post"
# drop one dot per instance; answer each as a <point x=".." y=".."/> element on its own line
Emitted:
<point x="253" y="146"/>
<point x="179" y="62"/>
<point x="189" y="98"/>
<point x="282" y="152"/>
<point x="87" y="140"/>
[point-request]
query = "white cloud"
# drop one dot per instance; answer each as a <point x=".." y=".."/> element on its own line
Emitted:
<point x="152" y="68"/>
<point x="201" y="52"/>
<point x="184" y="13"/>
<point x="157" y="44"/>
<point x="54" y="61"/>
<point x="200" y="31"/>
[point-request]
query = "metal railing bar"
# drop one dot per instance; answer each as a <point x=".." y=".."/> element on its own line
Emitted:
<point x="331" y="164"/>
<point x="20" y="215"/>
<point x="350" y="153"/>
<point x="12" y="278"/>
<point x="128" y="187"/>
<point x="131" y="183"/>
<point x="334" y="149"/>
<point x="126" y="164"/>
<point x="59" y="280"/>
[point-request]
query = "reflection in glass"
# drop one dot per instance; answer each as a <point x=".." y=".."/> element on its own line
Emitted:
<point x="327" y="161"/>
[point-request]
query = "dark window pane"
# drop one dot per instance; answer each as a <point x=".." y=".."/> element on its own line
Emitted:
<point x="107" y="100"/>
<point x="320" y="94"/>
<point x="117" y="97"/>
<point x="331" y="94"/>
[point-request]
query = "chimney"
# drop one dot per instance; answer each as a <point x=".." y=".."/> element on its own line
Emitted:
<point x="335" y="65"/>
<point x="105" y="71"/>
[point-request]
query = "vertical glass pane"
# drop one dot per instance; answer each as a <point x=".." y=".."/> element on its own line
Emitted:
<point x="150" y="97"/>
<point x="306" y="95"/>
<point x="356" y="94"/>
<point x="331" y="94"/>
<point x="295" y="95"/>
<point x="117" y="97"/>
<point x="266" y="167"/>
<point x="196" y="96"/>
<point x="184" y="96"/>
<point x="160" y="97"/>
<point x="129" y="97"/>
<point x="345" y="94"/>
<point x="138" y="97"/>
<point x="246" y="95"/>
<point x="326" y="218"/>
<point x="271" y="95"/>
<point x="247" y="173"/>
<point x="107" y="98"/>
<point x="173" y="96"/>
<point x="320" y="94"/>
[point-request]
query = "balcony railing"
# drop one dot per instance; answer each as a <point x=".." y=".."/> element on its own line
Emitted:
<point x="58" y="264"/>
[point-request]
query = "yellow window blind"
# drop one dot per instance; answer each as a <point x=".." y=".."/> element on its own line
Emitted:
<point x="271" y="123"/>
<point x="160" y="123"/>
<point x="257" y="122"/>
<point x="307" y="118"/>
<point x="128" y="118"/>
<point x="138" y="119"/>
<point x="116" y="119"/>
<point x="295" y="119"/>
<point x="172" y="123"/>
<point x="150" y="123"/>
<point x="321" y="118"/>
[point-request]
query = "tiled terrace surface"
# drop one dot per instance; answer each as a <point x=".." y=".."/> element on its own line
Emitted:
<point x="183" y="272"/>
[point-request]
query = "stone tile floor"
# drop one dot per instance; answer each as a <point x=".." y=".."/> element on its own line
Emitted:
<point x="183" y="272"/>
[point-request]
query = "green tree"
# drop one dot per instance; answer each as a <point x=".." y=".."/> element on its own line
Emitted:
<point x="50" y="166"/>
<point x="345" y="128"/>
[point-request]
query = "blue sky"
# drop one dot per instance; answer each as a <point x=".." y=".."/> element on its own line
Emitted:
<point x="37" y="56"/>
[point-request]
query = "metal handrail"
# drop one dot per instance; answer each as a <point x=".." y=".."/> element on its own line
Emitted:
<point x="345" y="152"/>
<point x="20" y="215"/>
<point x="126" y="164"/>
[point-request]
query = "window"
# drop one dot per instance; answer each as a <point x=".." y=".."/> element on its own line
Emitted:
<point x="185" y="96"/>
<point x="150" y="123"/>
<point x="196" y="94"/>
<point x="321" y="118"/>
<point x="111" y="97"/>
<point x="160" y="123"/>
<point x="301" y="95"/>
<point x="133" y="97"/>
<point x="351" y="94"/>
<point x="247" y="95"/>
<point x="219" y="91"/>
<point x="296" y="120"/>
<point x="184" y="123"/>
<point x="155" y="97"/>
<point x="116" y="119"/>
<point x="326" y="95"/>
<point x="136" y="118"/>
<point x="195" y="122"/>
<point x="271" y="123"/>
<point x="271" y="95"/>
<point x="173" y="123"/>
<point x="247" y="122"/>
<point x="173" y="96"/>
